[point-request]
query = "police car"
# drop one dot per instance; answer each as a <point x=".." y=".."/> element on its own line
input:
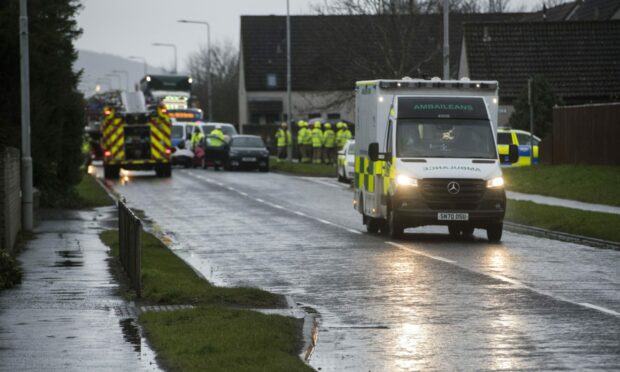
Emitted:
<point x="346" y="162"/>
<point x="521" y="138"/>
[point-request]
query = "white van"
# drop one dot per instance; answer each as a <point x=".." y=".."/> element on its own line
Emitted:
<point x="427" y="155"/>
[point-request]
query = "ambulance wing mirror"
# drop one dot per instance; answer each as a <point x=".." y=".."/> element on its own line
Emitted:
<point x="513" y="153"/>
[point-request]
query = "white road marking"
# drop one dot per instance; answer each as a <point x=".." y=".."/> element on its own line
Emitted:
<point x="600" y="308"/>
<point x="231" y="188"/>
<point x="324" y="221"/>
<point x="299" y="213"/>
<point x="354" y="231"/>
<point x="259" y="200"/>
<point x="510" y="281"/>
<point x="242" y="193"/>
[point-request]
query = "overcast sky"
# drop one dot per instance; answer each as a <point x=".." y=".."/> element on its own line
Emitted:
<point x="130" y="27"/>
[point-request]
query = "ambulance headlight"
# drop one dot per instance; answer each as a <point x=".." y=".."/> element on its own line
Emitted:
<point x="495" y="182"/>
<point x="403" y="180"/>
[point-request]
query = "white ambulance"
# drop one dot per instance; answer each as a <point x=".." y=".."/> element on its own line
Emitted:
<point x="427" y="155"/>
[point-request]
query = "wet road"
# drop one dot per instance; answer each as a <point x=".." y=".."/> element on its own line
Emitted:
<point x="421" y="303"/>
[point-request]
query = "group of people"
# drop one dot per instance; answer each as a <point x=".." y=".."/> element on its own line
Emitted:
<point x="211" y="147"/>
<point x="316" y="145"/>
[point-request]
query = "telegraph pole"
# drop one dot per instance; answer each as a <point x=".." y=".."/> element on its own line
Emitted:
<point x="25" y="97"/>
<point x="446" y="40"/>
<point x="289" y="147"/>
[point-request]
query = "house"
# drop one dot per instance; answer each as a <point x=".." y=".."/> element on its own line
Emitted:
<point x="330" y="53"/>
<point x="580" y="59"/>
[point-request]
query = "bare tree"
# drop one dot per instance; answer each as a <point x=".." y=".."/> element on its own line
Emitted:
<point x="224" y="80"/>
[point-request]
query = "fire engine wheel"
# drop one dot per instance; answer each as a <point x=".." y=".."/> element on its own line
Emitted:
<point x="163" y="170"/>
<point x="111" y="172"/>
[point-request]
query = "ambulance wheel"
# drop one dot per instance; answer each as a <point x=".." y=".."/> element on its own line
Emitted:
<point x="111" y="172"/>
<point x="373" y="225"/>
<point x="394" y="227"/>
<point x="494" y="232"/>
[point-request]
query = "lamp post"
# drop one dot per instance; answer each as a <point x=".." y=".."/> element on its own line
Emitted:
<point x="173" y="46"/>
<point x="138" y="58"/>
<point x="289" y="124"/>
<point x="209" y="91"/>
<point x="126" y="73"/>
<point x="27" y="211"/>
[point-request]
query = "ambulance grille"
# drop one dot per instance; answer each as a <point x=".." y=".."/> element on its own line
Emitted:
<point x="437" y="196"/>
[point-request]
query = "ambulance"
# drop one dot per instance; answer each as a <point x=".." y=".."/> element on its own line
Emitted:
<point x="426" y="154"/>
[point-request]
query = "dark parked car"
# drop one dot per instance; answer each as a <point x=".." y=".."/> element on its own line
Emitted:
<point x="247" y="152"/>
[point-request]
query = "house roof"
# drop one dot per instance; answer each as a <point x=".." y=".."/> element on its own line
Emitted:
<point x="556" y="13"/>
<point x="596" y="10"/>
<point x="332" y="52"/>
<point x="580" y="59"/>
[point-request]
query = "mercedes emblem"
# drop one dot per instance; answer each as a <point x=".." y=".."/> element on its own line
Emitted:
<point x="454" y="187"/>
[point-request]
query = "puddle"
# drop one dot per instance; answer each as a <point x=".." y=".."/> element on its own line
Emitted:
<point x="68" y="263"/>
<point x="131" y="333"/>
<point x="69" y="254"/>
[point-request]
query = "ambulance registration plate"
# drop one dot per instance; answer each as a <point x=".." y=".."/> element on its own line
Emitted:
<point x="453" y="216"/>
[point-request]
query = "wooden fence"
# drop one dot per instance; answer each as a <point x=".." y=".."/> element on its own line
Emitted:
<point x="588" y="134"/>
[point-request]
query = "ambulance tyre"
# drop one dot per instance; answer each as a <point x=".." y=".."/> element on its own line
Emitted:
<point x="373" y="225"/>
<point x="111" y="171"/>
<point x="494" y="232"/>
<point x="394" y="227"/>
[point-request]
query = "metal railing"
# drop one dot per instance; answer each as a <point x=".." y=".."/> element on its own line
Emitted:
<point x="129" y="229"/>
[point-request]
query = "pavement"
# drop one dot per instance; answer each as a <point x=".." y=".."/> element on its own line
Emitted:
<point x="567" y="203"/>
<point x="425" y="302"/>
<point x="67" y="314"/>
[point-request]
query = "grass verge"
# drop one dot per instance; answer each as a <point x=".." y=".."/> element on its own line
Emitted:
<point x="303" y="169"/>
<point x="210" y="336"/>
<point x="214" y="338"/>
<point x="167" y="279"/>
<point x="90" y="193"/>
<point x="586" y="183"/>
<point x="572" y="221"/>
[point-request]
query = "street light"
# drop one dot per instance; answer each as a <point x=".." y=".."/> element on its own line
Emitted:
<point x="26" y="160"/>
<point x="209" y="92"/>
<point x="126" y="73"/>
<point x="141" y="59"/>
<point x="175" y="53"/>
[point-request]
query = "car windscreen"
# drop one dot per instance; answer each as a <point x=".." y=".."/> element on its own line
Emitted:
<point x="524" y="139"/>
<point x="504" y="138"/>
<point x="247" y="142"/>
<point x="177" y="131"/>
<point x="227" y="130"/>
<point x="437" y="138"/>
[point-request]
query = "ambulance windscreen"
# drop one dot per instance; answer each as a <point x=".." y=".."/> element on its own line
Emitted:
<point x="441" y="138"/>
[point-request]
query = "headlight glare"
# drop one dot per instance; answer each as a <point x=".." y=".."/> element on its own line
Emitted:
<point x="403" y="180"/>
<point x="495" y="182"/>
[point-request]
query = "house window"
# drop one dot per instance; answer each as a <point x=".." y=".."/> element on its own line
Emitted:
<point x="335" y="116"/>
<point x="272" y="81"/>
<point x="314" y="116"/>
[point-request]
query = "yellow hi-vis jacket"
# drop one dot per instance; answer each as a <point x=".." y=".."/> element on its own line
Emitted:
<point x="317" y="137"/>
<point x="329" y="138"/>
<point x="307" y="140"/>
<point x="283" y="138"/>
<point x="216" y="138"/>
